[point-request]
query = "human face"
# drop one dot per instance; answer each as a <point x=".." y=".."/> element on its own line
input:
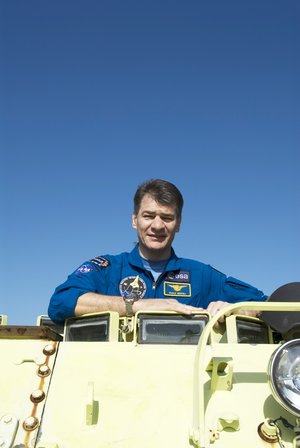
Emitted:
<point x="156" y="225"/>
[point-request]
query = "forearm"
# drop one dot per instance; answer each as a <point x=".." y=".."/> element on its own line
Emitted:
<point x="95" y="303"/>
<point x="91" y="302"/>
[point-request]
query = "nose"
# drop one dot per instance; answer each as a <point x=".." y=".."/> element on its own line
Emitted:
<point x="157" y="223"/>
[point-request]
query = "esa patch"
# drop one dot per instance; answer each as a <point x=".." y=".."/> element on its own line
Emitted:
<point x="101" y="262"/>
<point x="133" y="284"/>
<point x="177" y="289"/>
<point x="181" y="276"/>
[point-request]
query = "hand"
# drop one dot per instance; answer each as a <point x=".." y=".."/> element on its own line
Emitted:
<point x="214" y="307"/>
<point x="164" y="305"/>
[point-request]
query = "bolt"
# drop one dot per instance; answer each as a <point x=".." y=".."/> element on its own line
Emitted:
<point x="37" y="396"/>
<point x="30" y="423"/>
<point x="49" y="350"/>
<point x="43" y="371"/>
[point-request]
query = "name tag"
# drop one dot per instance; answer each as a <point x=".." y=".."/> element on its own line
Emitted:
<point x="177" y="289"/>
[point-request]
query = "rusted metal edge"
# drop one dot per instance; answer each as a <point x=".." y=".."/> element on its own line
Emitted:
<point x="29" y="332"/>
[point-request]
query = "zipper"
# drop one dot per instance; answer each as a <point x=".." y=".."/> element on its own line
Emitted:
<point x="155" y="283"/>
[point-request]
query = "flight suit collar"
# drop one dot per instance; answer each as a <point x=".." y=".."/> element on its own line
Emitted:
<point x="136" y="260"/>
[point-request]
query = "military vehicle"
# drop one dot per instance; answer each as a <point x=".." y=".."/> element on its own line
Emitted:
<point x="155" y="380"/>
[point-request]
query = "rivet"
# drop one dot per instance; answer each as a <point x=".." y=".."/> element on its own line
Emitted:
<point x="49" y="350"/>
<point x="43" y="371"/>
<point x="30" y="423"/>
<point x="37" y="396"/>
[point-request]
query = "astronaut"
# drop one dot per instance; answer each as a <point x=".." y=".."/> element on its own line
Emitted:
<point x="151" y="276"/>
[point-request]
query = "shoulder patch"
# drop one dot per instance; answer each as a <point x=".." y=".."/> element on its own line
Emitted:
<point x="84" y="269"/>
<point x="100" y="261"/>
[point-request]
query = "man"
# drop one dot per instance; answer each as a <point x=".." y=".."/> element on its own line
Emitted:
<point x="151" y="277"/>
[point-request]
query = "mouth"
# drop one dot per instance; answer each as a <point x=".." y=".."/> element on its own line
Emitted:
<point x="157" y="237"/>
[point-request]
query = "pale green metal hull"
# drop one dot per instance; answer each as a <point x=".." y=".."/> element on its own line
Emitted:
<point x="126" y="394"/>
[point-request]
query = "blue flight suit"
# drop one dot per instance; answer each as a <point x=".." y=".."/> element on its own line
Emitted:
<point x="188" y="281"/>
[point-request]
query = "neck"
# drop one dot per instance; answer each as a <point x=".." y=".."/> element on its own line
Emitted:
<point x="154" y="255"/>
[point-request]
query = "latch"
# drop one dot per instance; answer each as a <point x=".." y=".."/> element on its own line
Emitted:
<point x="222" y="371"/>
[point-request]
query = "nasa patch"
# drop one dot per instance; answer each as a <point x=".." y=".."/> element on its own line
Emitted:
<point x="100" y="261"/>
<point x="133" y="285"/>
<point x="84" y="269"/>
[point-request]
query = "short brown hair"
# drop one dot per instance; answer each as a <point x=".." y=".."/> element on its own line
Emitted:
<point x="161" y="191"/>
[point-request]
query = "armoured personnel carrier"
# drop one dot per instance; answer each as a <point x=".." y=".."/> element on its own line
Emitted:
<point x="155" y="380"/>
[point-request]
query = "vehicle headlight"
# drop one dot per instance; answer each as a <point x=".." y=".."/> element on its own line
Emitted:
<point x="284" y="376"/>
<point x="170" y="329"/>
<point x="249" y="332"/>
<point x="93" y="328"/>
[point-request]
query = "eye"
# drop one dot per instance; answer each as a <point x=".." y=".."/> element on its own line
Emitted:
<point x="146" y="216"/>
<point x="168" y="218"/>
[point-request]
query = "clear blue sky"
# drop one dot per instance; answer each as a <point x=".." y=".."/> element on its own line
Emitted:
<point x="97" y="96"/>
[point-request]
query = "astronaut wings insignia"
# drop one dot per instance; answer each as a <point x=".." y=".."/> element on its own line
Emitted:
<point x="177" y="289"/>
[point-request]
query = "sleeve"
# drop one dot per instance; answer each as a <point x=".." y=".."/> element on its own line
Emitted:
<point x="235" y="290"/>
<point x="87" y="278"/>
<point x="232" y="290"/>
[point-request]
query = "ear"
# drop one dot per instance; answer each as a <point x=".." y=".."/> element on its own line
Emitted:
<point x="134" y="219"/>
<point x="177" y="228"/>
